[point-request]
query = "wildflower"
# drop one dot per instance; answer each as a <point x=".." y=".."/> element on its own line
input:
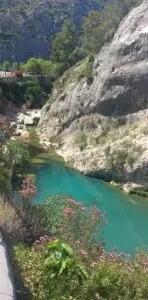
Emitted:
<point x="97" y="296"/>
<point x="71" y="201"/>
<point x="93" y="265"/>
<point x="146" y="270"/>
<point x="83" y="253"/>
<point x="68" y="212"/>
<point x="28" y="189"/>
<point x="78" y="243"/>
<point x="145" y="263"/>
<point x="41" y="247"/>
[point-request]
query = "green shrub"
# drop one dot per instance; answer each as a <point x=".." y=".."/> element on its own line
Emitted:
<point x="117" y="280"/>
<point x="81" y="141"/>
<point x="88" y="71"/>
<point x="50" y="271"/>
<point x="34" y="95"/>
<point x="69" y="221"/>
<point x="141" y="191"/>
<point x="20" y="157"/>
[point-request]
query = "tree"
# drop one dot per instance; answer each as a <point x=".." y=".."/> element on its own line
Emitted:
<point x="14" y="66"/>
<point x="20" y="157"/>
<point x="32" y="66"/>
<point x="64" y="44"/>
<point x="99" y="27"/>
<point x="6" y="65"/>
<point x="90" y="29"/>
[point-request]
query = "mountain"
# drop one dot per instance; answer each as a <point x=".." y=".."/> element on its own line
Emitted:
<point x="100" y="126"/>
<point x="27" y="27"/>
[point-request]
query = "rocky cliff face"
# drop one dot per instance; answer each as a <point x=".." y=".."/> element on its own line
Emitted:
<point x="27" y="27"/>
<point x="111" y="111"/>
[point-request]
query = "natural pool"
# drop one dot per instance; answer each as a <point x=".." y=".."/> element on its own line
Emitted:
<point x="127" y="218"/>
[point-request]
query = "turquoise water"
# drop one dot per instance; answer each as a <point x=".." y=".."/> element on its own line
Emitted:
<point x="127" y="218"/>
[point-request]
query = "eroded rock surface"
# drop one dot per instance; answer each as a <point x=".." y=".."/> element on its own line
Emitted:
<point x="119" y="91"/>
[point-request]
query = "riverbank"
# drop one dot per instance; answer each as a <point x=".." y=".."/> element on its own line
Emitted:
<point x="43" y="151"/>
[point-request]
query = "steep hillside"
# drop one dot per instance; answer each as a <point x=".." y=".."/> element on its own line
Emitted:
<point x="100" y="125"/>
<point x="27" y="27"/>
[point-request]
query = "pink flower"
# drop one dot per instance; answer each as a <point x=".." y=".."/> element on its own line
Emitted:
<point x="97" y="296"/>
<point x="28" y="189"/>
<point x="146" y="270"/>
<point x="71" y="201"/>
<point x="83" y="253"/>
<point x="69" y="212"/>
<point x="145" y="263"/>
<point x="93" y="265"/>
<point x="78" y="243"/>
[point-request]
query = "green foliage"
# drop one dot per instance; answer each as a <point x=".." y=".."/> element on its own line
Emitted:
<point x="32" y="66"/>
<point x="34" y="95"/>
<point x="21" y="91"/>
<point x="14" y="92"/>
<point x="52" y="69"/>
<point x="140" y="191"/>
<point x="20" y="157"/>
<point x="39" y="66"/>
<point x="64" y="43"/>
<point x="65" y="47"/>
<point x="81" y="141"/>
<point x="99" y="27"/>
<point x="5" y="178"/>
<point x="6" y="66"/>
<point x="52" y="273"/>
<point x="60" y="258"/>
<point x="69" y="221"/>
<point x="14" y="66"/>
<point x="118" y="279"/>
<point x="88" y="71"/>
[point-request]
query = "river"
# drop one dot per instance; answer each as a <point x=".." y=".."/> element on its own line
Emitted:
<point x="127" y="218"/>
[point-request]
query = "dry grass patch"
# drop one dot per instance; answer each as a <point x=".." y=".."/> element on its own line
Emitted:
<point x="9" y="220"/>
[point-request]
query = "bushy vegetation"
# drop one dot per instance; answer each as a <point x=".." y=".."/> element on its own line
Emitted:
<point x="81" y="141"/>
<point x="20" y="92"/>
<point x="88" y="71"/>
<point x="99" y="27"/>
<point x="140" y="191"/>
<point x="68" y="262"/>
<point x="14" y="158"/>
<point x="5" y="170"/>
